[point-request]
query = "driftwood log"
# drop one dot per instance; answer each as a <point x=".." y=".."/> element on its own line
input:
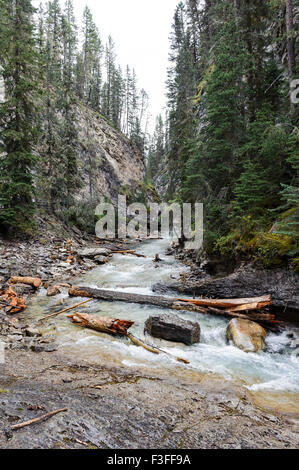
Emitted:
<point x="213" y="307"/>
<point x="30" y="281"/>
<point x="103" y="324"/>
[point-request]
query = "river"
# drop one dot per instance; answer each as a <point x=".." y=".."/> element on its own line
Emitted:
<point x="271" y="377"/>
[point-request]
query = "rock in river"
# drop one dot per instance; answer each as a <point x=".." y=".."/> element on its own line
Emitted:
<point x="101" y="259"/>
<point x="52" y="291"/>
<point x="173" y="328"/>
<point x="246" y="335"/>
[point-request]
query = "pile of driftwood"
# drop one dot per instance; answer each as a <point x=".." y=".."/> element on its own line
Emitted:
<point x="9" y="299"/>
<point x="249" y="309"/>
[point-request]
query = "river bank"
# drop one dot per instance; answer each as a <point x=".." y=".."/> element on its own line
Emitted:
<point x="123" y="408"/>
<point x="119" y="395"/>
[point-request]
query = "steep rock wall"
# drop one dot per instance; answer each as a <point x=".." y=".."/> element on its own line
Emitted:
<point x="108" y="161"/>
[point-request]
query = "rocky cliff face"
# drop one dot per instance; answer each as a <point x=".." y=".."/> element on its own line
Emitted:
<point x="109" y="163"/>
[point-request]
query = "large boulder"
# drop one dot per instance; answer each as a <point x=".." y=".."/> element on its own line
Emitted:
<point x="173" y="328"/>
<point x="246" y="335"/>
<point x="93" y="252"/>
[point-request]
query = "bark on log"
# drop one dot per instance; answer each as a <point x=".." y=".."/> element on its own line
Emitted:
<point x="121" y="296"/>
<point x="30" y="281"/>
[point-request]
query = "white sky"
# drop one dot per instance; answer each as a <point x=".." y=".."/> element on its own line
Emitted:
<point x="140" y="30"/>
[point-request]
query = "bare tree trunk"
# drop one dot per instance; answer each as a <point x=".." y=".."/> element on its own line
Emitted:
<point x="291" y="45"/>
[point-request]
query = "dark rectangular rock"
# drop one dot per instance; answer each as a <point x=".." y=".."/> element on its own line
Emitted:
<point x="173" y="328"/>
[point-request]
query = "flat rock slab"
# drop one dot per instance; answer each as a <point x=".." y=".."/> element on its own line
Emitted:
<point x="93" y="252"/>
<point x="173" y="328"/>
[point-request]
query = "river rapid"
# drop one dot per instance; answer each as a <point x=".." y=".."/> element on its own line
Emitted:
<point x="271" y="377"/>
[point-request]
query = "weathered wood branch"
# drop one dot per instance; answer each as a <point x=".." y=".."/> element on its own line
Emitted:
<point x="37" y="420"/>
<point x="64" y="310"/>
<point x="107" y="295"/>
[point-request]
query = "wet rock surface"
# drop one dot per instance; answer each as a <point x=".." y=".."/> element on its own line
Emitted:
<point x="173" y="328"/>
<point x="246" y="335"/>
<point x="54" y="260"/>
<point x="111" y="408"/>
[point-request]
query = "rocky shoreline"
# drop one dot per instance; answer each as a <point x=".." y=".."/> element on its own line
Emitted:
<point x="56" y="261"/>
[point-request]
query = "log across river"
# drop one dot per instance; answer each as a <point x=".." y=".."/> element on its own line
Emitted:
<point x="209" y="306"/>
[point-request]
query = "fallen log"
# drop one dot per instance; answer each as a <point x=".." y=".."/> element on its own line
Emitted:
<point x="115" y="327"/>
<point x="107" y="295"/>
<point x="173" y="303"/>
<point x="252" y="303"/>
<point x="265" y="319"/>
<point x="30" y="281"/>
<point x="102" y="324"/>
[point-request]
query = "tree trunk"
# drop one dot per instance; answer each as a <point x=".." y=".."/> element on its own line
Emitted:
<point x="291" y="46"/>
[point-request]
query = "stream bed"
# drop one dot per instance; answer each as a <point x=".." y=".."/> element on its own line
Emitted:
<point x="270" y="377"/>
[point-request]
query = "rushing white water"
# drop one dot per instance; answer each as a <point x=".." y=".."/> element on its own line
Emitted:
<point x="276" y="369"/>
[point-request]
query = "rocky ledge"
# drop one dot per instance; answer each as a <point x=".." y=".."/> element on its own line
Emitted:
<point x="245" y="281"/>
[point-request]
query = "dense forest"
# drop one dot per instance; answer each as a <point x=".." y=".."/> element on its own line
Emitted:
<point x="50" y="66"/>
<point x="230" y="136"/>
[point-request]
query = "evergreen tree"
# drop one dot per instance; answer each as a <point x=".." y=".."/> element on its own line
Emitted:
<point x="19" y="127"/>
<point x="92" y="52"/>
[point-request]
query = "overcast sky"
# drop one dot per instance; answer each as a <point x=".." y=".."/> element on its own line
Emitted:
<point x="140" y="29"/>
